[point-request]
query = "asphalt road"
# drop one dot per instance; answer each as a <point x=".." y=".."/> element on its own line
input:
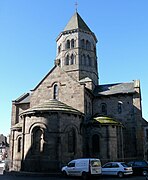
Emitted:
<point x="13" y="177"/>
<point x="59" y="177"/>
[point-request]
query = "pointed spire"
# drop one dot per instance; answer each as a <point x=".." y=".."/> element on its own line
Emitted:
<point x="76" y="22"/>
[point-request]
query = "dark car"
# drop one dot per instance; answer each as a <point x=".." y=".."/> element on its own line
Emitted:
<point x="139" y="167"/>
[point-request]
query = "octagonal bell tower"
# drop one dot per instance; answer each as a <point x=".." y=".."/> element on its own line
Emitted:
<point x="76" y="50"/>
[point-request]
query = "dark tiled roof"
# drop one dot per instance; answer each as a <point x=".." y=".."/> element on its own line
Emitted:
<point x="51" y="105"/>
<point x="25" y="98"/>
<point x="111" y="89"/>
<point x="76" y="22"/>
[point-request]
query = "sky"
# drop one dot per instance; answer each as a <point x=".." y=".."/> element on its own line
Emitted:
<point x="28" y="32"/>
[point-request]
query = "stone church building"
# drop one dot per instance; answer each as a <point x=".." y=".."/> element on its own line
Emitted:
<point x="70" y="115"/>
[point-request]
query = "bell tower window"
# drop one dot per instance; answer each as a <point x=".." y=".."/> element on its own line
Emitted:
<point x="83" y="43"/>
<point x="89" y="60"/>
<point x="88" y="47"/>
<point x="67" y="60"/>
<point x="68" y="44"/>
<point x="83" y="58"/>
<point x="72" y="43"/>
<point x="72" y="59"/>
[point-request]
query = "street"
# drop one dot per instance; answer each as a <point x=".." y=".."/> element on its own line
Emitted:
<point x="13" y="177"/>
<point x="60" y="177"/>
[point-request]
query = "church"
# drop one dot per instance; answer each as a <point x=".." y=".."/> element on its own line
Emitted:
<point x="70" y="115"/>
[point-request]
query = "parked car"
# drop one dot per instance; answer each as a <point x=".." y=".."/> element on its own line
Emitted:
<point x="83" y="167"/>
<point x="139" y="167"/>
<point x="117" y="168"/>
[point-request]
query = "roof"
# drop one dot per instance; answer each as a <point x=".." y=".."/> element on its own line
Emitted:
<point x="76" y="22"/>
<point x="111" y="89"/>
<point x="25" y="98"/>
<point x="51" y="105"/>
<point x="104" y="120"/>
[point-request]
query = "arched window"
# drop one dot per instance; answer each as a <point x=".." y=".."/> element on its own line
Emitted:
<point x="68" y="44"/>
<point x="55" y="91"/>
<point x="37" y="140"/>
<point x="71" y="141"/>
<point x="89" y="60"/>
<point x="83" y="59"/>
<point x="72" y="43"/>
<point x="82" y="43"/>
<point x="104" y="108"/>
<point x="72" y="59"/>
<point x="119" y="107"/>
<point x="19" y="147"/>
<point x="67" y="60"/>
<point x="88" y="45"/>
<point x="95" y="143"/>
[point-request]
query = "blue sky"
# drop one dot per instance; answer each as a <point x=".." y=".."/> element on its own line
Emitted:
<point x="28" y="32"/>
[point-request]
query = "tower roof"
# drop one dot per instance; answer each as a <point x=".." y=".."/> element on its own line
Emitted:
<point x="76" y="22"/>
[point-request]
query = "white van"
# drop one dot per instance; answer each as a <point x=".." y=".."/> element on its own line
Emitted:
<point x="83" y="167"/>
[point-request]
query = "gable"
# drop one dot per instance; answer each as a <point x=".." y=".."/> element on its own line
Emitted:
<point x="70" y="91"/>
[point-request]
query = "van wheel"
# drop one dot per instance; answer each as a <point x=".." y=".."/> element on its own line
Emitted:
<point x="84" y="175"/>
<point x="64" y="173"/>
<point x="120" y="174"/>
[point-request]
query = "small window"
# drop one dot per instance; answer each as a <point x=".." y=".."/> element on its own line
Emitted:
<point x="55" y="92"/>
<point x="119" y="107"/>
<point x="104" y="109"/>
<point x="19" y="144"/>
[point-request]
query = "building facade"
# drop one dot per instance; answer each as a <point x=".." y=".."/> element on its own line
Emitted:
<point x="69" y="115"/>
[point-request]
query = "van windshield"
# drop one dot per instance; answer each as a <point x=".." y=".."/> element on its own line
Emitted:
<point x="95" y="163"/>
